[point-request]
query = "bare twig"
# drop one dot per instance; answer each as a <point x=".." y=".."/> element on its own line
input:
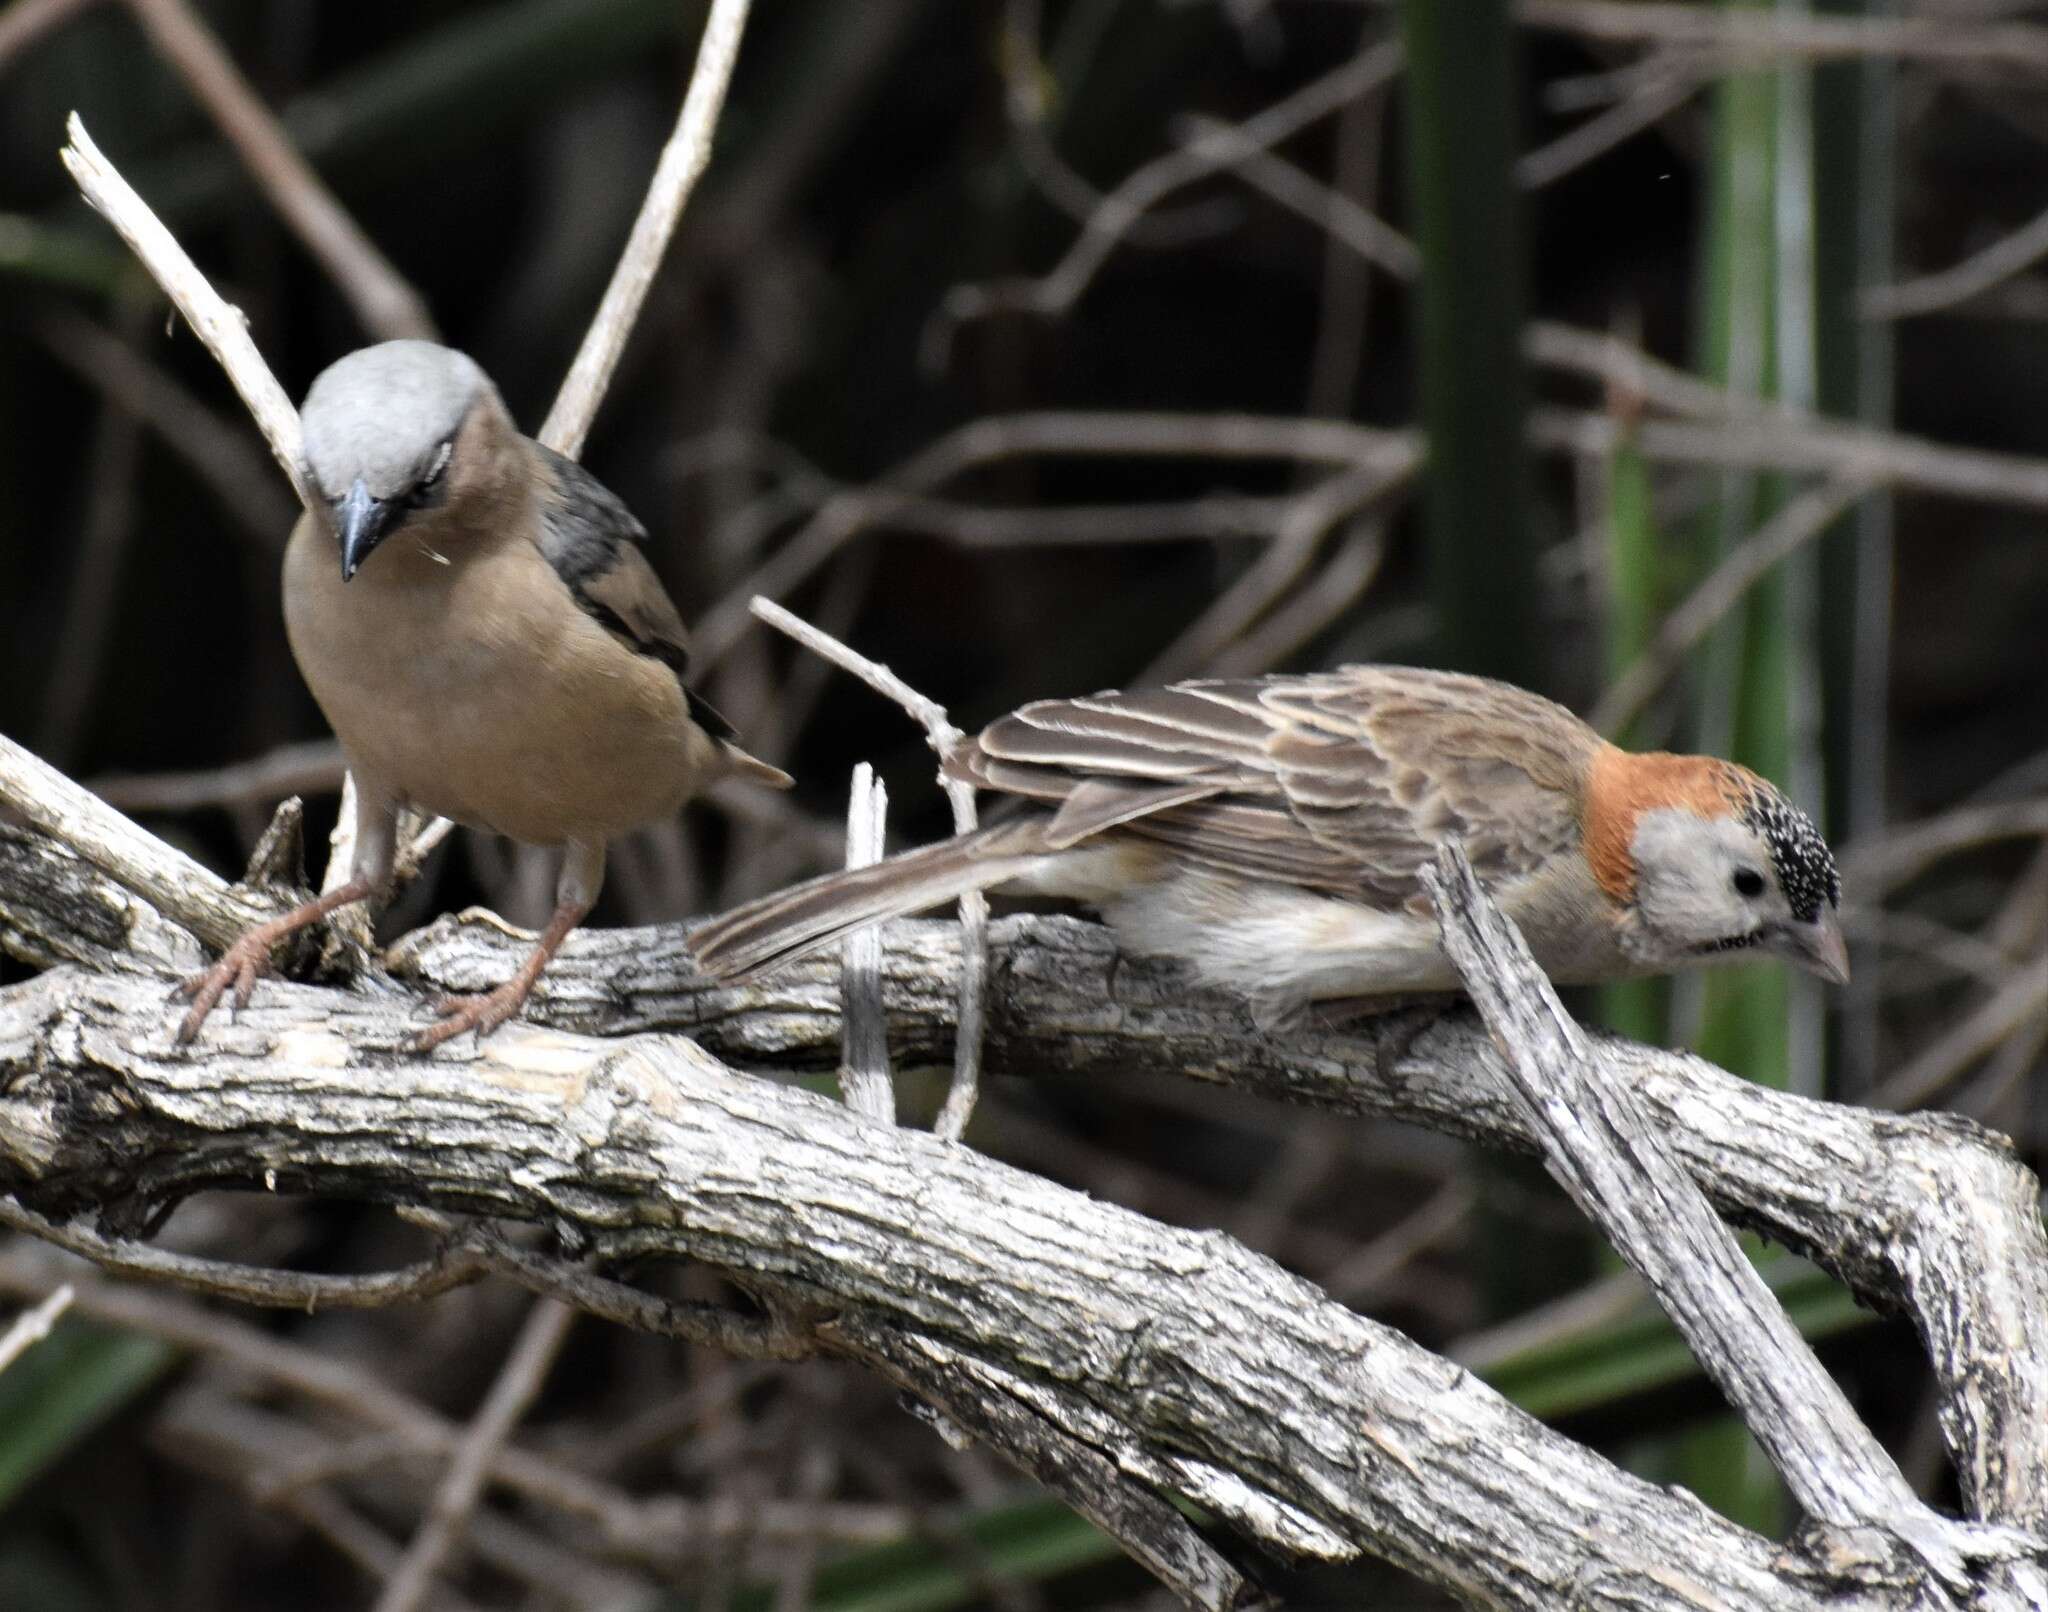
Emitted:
<point x="1318" y="603"/>
<point x="214" y="448"/>
<point x="864" y="1062"/>
<point x="1029" y="108"/>
<point x="708" y="1324"/>
<point x="1369" y="1269"/>
<point x="1906" y="852"/>
<point x="1057" y="291"/>
<point x="33" y="1325"/>
<point x="26" y="21"/>
<point x="313" y="767"/>
<point x="1621" y="366"/>
<point x="221" y="327"/>
<point x="1365" y="233"/>
<point x="658" y="1529"/>
<point x="1600" y="134"/>
<point x="217" y="1433"/>
<point x="942" y="736"/>
<point x="384" y="303"/>
<point x="2016" y="1006"/>
<point x="1798" y="523"/>
<point x="2011" y="255"/>
<point x="1787" y="440"/>
<point x="682" y="162"/>
<point x="925" y="712"/>
<point x="1330" y="502"/>
<point x="999" y="437"/>
<point x="1771" y="37"/>
<point x="449" y="1267"/>
<point x="517" y="1386"/>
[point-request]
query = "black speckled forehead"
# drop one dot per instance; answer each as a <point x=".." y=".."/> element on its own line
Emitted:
<point x="1806" y="867"/>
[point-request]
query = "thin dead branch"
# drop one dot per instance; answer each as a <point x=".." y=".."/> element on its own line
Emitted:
<point x="2009" y="256"/>
<point x="1737" y="41"/>
<point x="24" y="22"/>
<point x="517" y="1385"/>
<point x="864" y="1078"/>
<point x="942" y="736"/>
<point x="219" y="326"/>
<point x="33" y="1325"/>
<point x="682" y="163"/>
<point x="1798" y="523"/>
<point x="1056" y="292"/>
<point x="384" y="302"/>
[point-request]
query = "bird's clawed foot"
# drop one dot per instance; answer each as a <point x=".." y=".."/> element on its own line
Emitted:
<point x="483" y="1014"/>
<point x="241" y="965"/>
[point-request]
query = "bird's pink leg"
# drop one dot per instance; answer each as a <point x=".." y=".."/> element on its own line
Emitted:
<point x="248" y="959"/>
<point x="575" y="894"/>
<point x="486" y="1012"/>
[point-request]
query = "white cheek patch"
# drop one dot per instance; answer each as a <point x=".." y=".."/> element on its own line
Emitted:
<point x="1685" y="870"/>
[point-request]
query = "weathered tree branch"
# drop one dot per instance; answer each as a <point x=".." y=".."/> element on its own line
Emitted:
<point x="1176" y="1356"/>
<point x="1180" y="1360"/>
<point x="1602" y="1149"/>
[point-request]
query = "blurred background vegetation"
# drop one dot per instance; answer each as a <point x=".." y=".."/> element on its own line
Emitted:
<point x="1015" y="343"/>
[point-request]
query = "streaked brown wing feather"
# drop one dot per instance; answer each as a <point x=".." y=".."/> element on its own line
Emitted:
<point x="1342" y="781"/>
<point x="1096" y="804"/>
<point x="1385" y="762"/>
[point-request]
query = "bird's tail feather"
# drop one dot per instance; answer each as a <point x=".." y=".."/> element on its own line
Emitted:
<point x="793" y="923"/>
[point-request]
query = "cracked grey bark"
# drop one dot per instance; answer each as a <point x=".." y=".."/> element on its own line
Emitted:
<point x="1182" y="1361"/>
<point x="1599" y="1144"/>
<point x="1929" y="1215"/>
<point x="1180" y="1357"/>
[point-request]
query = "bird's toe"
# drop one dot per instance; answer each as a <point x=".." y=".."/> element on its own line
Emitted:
<point x="245" y="984"/>
<point x="458" y="1014"/>
<point x="203" y="992"/>
<point x="195" y="1017"/>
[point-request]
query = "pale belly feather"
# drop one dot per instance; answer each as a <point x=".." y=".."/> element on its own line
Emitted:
<point x="477" y="689"/>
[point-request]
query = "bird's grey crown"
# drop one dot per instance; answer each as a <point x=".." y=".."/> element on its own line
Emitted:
<point x="1805" y="866"/>
<point x="383" y="412"/>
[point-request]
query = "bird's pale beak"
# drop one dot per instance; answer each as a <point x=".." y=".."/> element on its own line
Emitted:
<point x="1819" y="947"/>
<point x="363" y="521"/>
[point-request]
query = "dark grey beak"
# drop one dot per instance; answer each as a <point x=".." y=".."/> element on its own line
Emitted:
<point x="363" y="521"/>
<point x="1819" y="948"/>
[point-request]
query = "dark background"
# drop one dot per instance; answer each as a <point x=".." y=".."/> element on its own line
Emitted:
<point x="874" y="158"/>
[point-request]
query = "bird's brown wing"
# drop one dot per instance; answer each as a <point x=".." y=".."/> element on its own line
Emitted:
<point x="1343" y="781"/>
<point x="598" y="550"/>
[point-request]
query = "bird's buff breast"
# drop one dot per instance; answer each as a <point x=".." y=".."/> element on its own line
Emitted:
<point x="472" y="686"/>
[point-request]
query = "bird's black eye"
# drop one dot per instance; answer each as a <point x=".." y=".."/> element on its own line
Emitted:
<point x="439" y="463"/>
<point x="427" y="490"/>
<point x="1748" y="882"/>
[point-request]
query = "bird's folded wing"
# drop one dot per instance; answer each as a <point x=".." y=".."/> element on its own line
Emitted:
<point x="598" y="550"/>
<point x="1343" y="781"/>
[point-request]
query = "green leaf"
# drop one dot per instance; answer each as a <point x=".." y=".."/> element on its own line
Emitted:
<point x="1608" y="1360"/>
<point x="1025" y="1541"/>
<point x="63" y="1389"/>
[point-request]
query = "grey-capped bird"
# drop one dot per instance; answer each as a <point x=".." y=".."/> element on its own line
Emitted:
<point x="476" y="616"/>
<point x="1271" y="831"/>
